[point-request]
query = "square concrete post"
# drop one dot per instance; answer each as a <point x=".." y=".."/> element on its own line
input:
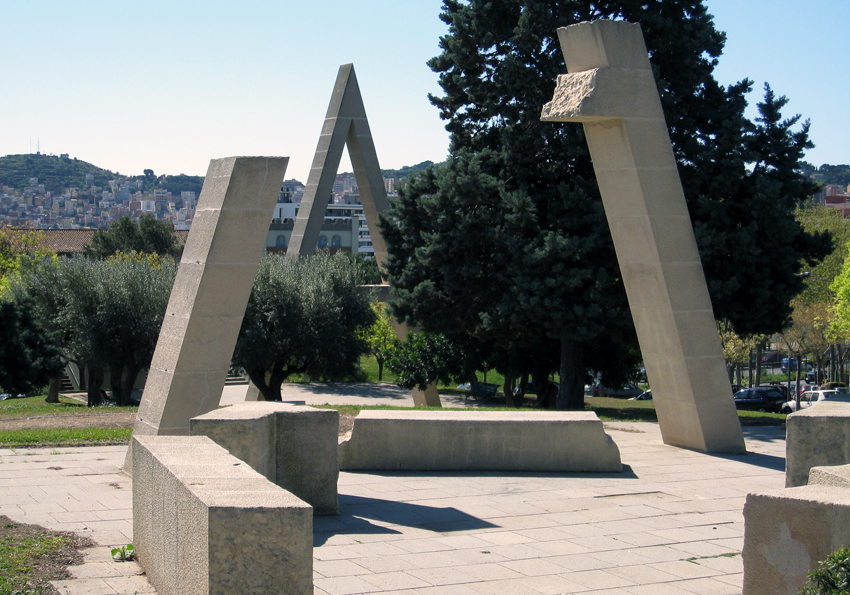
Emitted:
<point x="210" y="294"/>
<point x="610" y="88"/>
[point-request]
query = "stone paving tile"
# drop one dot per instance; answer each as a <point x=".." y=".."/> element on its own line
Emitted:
<point x="394" y="580"/>
<point x="442" y="576"/>
<point x="708" y="586"/>
<point x="600" y="579"/>
<point x="335" y="568"/>
<point x="507" y="587"/>
<point x="348" y="585"/>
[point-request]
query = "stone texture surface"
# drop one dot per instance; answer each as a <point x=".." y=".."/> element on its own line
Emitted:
<point x="817" y="436"/>
<point x="611" y="90"/>
<point x="210" y="294"/>
<point x="481" y="441"/>
<point x="787" y="532"/>
<point x="837" y="477"/>
<point x="202" y="519"/>
<point x="293" y="446"/>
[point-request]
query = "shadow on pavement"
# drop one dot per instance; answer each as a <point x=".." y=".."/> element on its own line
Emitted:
<point x="356" y="513"/>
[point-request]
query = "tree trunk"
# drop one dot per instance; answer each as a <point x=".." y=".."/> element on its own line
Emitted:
<point x="511" y="400"/>
<point x="53" y="390"/>
<point x="759" y="351"/>
<point x="95" y="380"/>
<point x="129" y="382"/>
<point x="380" y="361"/>
<point x="115" y="376"/>
<point x="571" y="394"/>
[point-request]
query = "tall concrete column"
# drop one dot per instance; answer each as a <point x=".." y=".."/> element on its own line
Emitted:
<point x="611" y="90"/>
<point x="210" y="294"/>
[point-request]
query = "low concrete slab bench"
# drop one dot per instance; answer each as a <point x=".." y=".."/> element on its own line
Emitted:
<point x="478" y="441"/>
<point x="293" y="446"/>
<point x="205" y="523"/>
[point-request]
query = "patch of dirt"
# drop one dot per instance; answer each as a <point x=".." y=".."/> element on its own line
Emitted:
<point x="50" y="566"/>
<point x="105" y="419"/>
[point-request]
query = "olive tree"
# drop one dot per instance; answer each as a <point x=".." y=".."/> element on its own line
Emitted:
<point x="304" y="316"/>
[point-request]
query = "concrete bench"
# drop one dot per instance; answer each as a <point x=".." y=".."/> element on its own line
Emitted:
<point x="478" y="441"/>
<point x="293" y="446"/>
<point x="206" y="523"/>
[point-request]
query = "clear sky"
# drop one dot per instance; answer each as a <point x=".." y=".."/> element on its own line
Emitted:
<point x="169" y="85"/>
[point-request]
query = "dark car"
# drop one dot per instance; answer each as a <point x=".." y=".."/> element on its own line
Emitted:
<point x="761" y="398"/>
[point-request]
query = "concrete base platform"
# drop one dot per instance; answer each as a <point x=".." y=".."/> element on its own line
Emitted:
<point x="478" y="441"/>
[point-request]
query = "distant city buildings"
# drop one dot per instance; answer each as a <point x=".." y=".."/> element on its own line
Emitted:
<point x="344" y="227"/>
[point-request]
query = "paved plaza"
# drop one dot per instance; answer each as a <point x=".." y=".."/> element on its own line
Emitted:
<point x="670" y="523"/>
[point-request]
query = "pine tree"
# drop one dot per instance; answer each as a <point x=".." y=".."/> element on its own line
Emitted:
<point x="510" y="240"/>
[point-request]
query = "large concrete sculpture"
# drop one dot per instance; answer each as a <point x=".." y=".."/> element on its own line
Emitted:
<point x="210" y="294"/>
<point x="346" y="124"/>
<point x="611" y="90"/>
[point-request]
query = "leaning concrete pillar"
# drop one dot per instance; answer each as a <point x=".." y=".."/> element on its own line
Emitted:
<point x="611" y="90"/>
<point x="210" y="293"/>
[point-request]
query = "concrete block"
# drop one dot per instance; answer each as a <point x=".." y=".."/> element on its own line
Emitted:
<point x="787" y="532"/>
<point x="205" y="528"/>
<point x="837" y="477"/>
<point x="478" y="441"/>
<point x="293" y="446"/>
<point x="816" y="437"/>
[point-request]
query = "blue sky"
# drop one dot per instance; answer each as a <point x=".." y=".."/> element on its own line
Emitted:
<point x="169" y="85"/>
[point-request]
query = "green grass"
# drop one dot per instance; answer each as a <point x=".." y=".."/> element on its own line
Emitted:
<point x="64" y="437"/>
<point x="33" y="406"/>
<point x="20" y="554"/>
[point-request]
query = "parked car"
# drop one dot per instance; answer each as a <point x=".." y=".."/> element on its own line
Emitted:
<point x="760" y="398"/>
<point x="783" y="388"/>
<point x="644" y="396"/>
<point x="770" y="357"/>
<point x="790" y="364"/>
<point x="809" y="398"/>
<point x="629" y="390"/>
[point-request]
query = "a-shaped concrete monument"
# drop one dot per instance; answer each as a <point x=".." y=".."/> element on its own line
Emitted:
<point x="346" y="124"/>
<point x="611" y="90"/>
<point x="210" y="294"/>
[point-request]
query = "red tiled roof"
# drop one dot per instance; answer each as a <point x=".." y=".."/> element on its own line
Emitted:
<point x="73" y="241"/>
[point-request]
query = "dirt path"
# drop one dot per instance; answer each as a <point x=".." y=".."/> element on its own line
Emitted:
<point x="106" y="419"/>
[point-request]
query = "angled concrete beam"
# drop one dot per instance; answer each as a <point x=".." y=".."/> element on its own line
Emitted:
<point x="346" y="124"/>
<point x="210" y="294"/>
<point x="611" y="90"/>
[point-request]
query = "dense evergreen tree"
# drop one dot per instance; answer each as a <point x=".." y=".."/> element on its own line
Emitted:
<point x="509" y="241"/>
<point x="148" y="236"/>
<point x="29" y="357"/>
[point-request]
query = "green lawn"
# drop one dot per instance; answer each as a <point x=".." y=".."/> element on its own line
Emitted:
<point x="31" y="556"/>
<point x="64" y="437"/>
<point x="37" y="407"/>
